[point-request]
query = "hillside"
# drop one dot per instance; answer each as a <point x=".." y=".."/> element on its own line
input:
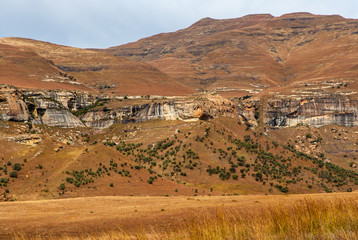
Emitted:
<point x="250" y="54"/>
<point x="40" y="65"/>
<point x="159" y="158"/>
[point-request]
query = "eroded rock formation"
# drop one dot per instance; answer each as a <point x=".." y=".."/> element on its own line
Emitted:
<point x="190" y="108"/>
<point x="74" y="109"/>
<point x="287" y="111"/>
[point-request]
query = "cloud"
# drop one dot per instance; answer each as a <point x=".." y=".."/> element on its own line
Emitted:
<point x="104" y="23"/>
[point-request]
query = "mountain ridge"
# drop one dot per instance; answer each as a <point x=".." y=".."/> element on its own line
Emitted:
<point x="214" y="53"/>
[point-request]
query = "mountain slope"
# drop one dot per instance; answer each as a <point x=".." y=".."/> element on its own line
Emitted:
<point x="35" y="64"/>
<point x="254" y="52"/>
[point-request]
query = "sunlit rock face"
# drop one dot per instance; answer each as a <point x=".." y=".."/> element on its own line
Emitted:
<point x="12" y="108"/>
<point x="317" y="112"/>
<point x="60" y="109"/>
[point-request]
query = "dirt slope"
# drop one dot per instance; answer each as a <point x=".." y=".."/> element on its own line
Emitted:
<point x="253" y="52"/>
<point x="36" y="64"/>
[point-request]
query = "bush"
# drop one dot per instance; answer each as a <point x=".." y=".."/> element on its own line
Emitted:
<point x="17" y="167"/>
<point x="111" y="185"/>
<point x="13" y="174"/>
<point x="150" y="180"/>
<point x="281" y="188"/>
<point x="69" y="179"/>
<point x="62" y="186"/>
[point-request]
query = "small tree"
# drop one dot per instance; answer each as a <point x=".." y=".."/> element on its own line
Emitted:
<point x="151" y="180"/>
<point x="17" y="167"/>
<point x="13" y="174"/>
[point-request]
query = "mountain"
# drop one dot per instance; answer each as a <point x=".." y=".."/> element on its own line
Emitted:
<point x="35" y="64"/>
<point x="235" y="57"/>
<point x="254" y="52"/>
<point x="253" y="105"/>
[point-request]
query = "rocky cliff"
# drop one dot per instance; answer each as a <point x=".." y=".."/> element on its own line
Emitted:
<point x="71" y="109"/>
<point x="51" y="108"/>
<point x="318" y="112"/>
<point x="286" y="111"/>
<point x="187" y="109"/>
<point x="12" y="108"/>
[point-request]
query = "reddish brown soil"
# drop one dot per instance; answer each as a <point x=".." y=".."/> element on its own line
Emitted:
<point x="253" y="52"/>
<point x="35" y="64"/>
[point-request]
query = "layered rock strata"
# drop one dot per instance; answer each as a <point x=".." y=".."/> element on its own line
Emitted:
<point x="286" y="111"/>
<point x="73" y="109"/>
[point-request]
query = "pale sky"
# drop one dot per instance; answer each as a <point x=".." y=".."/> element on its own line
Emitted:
<point x="106" y="23"/>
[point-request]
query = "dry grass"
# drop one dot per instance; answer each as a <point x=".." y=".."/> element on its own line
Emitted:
<point x="307" y="219"/>
<point x="311" y="218"/>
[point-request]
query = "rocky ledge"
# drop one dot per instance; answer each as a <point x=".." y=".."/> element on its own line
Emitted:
<point x="287" y="111"/>
<point x="71" y="109"/>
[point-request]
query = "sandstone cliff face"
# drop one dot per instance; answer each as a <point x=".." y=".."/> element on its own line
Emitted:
<point x="12" y="108"/>
<point x="318" y="112"/>
<point x="60" y="118"/>
<point x="248" y="111"/>
<point x="187" y="109"/>
<point x="55" y="108"/>
<point x="60" y="99"/>
<point x="286" y="111"/>
<point x="51" y="108"/>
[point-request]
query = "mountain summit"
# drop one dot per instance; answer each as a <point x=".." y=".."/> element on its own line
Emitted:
<point x="254" y="50"/>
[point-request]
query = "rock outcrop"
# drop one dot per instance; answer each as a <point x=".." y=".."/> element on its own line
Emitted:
<point x="12" y="108"/>
<point x="248" y="111"/>
<point x="71" y="109"/>
<point x="60" y="118"/>
<point x="59" y="108"/>
<point x="318" y="112"/>
<point x="71" y="100"/>
<point x="286" y="111"/>
<point x="187" y="109"/>
<point x="51" y="108"/>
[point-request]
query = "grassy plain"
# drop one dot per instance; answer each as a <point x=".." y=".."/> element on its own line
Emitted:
<point x="310" y="216"/>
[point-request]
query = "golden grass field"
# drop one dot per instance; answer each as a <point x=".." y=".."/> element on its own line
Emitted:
<point x="311" y="216"/>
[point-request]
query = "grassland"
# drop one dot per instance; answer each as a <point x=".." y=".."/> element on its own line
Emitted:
<point x="313" y="216"/>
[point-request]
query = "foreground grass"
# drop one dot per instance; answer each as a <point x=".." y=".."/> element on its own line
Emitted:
<point x="305" y="219"/>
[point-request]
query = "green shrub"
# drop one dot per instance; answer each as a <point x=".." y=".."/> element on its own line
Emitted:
<point x="17" y="167"/>
<point x="150" y="180"/>
<point x="13" y="174"/>
<point x="69" y="179"/>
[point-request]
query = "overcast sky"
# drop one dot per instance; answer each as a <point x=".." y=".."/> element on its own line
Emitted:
<point x="105" y="23"/>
